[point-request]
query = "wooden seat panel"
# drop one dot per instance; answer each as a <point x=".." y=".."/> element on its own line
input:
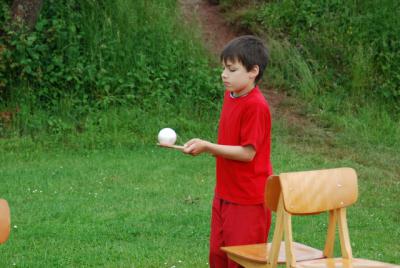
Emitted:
<point x="344" y="263"/>
<point x="259" y="252"/>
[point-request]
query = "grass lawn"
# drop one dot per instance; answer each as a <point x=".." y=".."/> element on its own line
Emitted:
<point x="144" y="206"/>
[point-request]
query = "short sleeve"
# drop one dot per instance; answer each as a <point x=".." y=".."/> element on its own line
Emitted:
<point x="255" y="125"/>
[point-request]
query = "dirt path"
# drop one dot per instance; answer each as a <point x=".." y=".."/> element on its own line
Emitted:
<point x="216" y="33"/>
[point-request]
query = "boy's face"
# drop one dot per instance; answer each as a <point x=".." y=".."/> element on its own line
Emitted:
<point x="237" y="79"/>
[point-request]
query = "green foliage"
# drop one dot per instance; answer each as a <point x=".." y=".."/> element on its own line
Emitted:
<point x="352" y="44"/>
<point x="351" y="47"/>
<point x="87" y="56"/>
<point x="288" y="69"/>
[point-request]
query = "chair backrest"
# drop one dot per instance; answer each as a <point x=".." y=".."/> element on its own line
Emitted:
<point x="272" y="192"/>
<point x="4" y="221"/>
<point x="310" y="192"/>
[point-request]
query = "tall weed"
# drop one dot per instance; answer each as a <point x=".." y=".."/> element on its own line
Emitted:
<point x="353" y="45"/>
<point x="289" y="70"/>
<point x="87" y="57"/>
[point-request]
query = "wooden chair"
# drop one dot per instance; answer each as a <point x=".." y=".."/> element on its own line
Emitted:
<point x="307" y="193"/>
<point x="4" y="221"/>
<point x="262" y="255"/>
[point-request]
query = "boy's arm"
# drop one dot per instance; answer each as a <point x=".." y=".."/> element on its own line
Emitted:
<point x="239" y="153"/>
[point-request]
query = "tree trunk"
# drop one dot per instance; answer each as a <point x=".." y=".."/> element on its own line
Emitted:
<point x="26" y="12"/>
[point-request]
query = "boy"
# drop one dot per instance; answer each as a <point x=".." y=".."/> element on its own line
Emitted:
<point x="242" y="152"/>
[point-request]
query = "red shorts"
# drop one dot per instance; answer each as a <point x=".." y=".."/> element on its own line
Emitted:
<point x="234" y="224"/>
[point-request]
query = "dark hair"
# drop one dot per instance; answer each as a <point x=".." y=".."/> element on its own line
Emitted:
<point x="249" y="51"/>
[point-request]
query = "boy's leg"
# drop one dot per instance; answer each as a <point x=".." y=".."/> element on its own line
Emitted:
<point x="233" y="224"/>
<point x="244" y="224"/>
<point x="217" y="258"/>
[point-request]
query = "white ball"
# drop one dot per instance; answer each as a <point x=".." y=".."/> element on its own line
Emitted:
<point x="167" y="136"/>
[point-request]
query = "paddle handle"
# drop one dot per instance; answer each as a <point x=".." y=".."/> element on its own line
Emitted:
<point x="172" y="146"/>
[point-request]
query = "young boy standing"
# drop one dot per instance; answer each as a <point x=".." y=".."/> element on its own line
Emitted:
<point x="242" y="152"/>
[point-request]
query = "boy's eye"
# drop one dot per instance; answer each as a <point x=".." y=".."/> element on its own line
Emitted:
<point x="229" y="69"/>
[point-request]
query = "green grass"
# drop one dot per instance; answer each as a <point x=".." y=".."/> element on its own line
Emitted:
<point x="140" y="207"/>
<point x="143" y="206"/>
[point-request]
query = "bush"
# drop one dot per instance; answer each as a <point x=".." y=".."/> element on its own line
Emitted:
<point x="85" y="56"/>
<point x="351" y="47"/>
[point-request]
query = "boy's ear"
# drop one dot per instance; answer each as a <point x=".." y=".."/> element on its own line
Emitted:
<point x="254" y="71"/>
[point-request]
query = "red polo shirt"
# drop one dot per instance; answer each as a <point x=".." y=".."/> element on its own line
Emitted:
<point x="245" y="120"/>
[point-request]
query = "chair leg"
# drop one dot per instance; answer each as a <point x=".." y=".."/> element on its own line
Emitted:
<point x="344" y="235"/>
<point x="330" y="237"/>
<point x="278" y="234"/>
<point x="290" y="258"/>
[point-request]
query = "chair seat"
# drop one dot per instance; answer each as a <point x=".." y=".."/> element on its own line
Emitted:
<point x="259" y="252"/>
<point x="344" y="263"/>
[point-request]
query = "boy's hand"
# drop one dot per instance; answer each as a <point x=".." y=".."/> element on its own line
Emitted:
<point x="196" y="147"/>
